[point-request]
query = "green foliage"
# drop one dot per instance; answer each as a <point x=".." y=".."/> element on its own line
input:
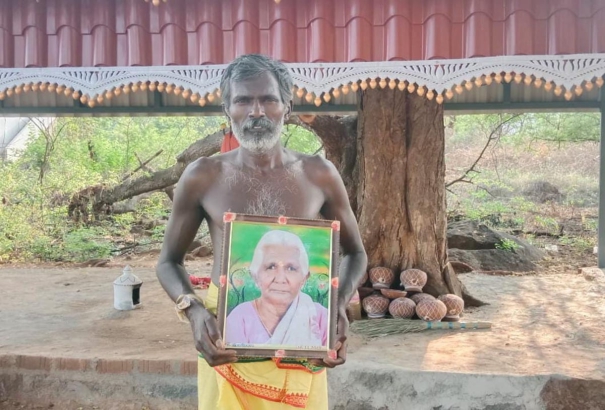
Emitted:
<point x="507" y="245"/>
<point x="299" y="139"/>
<point x="506" y="187"/>
<point x="579" y="243"/>
<point x="528" y="128"/>
<point x="561" y="127"/>
<point x="86" y="151"/>
<point x="86" y="243"/>
<point x="79" y="152"/>
<point x="547" y="223"/>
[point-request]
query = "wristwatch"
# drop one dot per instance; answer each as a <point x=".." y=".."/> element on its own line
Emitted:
<point x="183" y="303"/>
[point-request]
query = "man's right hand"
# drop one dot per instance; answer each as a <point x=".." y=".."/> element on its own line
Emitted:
<point x="207" y="337"/>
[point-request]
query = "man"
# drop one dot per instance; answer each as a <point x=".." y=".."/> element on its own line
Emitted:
<point x="283" y="314"/>
<point x="260" y="177"/>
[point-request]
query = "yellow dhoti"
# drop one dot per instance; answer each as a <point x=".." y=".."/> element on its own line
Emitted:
<point x="260" y="384"/>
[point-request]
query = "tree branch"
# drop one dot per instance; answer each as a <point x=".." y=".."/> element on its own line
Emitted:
<point x="142" y="165"/>
<point x="102" y="197"/>
<point x="493" y="136"/>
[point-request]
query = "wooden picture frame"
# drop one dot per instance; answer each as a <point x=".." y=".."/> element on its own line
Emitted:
<point x="263" y="269"/>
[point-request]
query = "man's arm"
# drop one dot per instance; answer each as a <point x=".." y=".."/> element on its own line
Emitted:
<point x="185" y="220"/>
<point x="354" y="262"/>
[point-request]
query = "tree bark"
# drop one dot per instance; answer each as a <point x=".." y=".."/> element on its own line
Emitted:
<point x="393" y="166"/>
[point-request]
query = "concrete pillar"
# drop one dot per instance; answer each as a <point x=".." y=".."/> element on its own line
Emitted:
<point x="601" y="237"/>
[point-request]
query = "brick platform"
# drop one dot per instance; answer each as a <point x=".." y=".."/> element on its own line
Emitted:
<point x="107" y="384"/>
<point x="70" y="384"/>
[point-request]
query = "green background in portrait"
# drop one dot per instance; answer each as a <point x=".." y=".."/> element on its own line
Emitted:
<point x="245" y="236"/>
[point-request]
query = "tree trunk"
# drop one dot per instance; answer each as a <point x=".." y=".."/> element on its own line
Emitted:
<point x="393" y="166"/>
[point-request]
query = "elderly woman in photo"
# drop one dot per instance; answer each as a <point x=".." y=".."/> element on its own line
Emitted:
<point x="282" y="315"/>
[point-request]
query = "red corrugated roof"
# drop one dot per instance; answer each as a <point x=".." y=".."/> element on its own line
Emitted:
<point x="83" y="33"/>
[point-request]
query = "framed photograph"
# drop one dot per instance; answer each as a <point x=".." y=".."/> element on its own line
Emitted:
<point x="278" y="286"/>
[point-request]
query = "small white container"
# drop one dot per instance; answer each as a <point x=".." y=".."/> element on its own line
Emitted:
<point x="127" y="290"/>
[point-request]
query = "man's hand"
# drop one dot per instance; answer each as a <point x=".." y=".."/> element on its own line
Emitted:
<point x="341" y="342"/>
<point x="207" y="337"/>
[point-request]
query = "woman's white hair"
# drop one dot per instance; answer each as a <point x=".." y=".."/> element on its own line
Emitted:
<point x="279" y="238"/>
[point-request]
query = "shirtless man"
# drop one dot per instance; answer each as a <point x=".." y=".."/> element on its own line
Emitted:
<point x="260" y="177"/>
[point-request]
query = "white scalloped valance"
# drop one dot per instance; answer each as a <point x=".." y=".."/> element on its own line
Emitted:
<point x="317" y="82"/>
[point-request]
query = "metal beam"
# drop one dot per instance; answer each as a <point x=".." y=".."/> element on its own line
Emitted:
<point x="157" y="108"/>
<point x="555" y="106"/>
<point x="601" y="231"/>
<point x="114" y="111"/>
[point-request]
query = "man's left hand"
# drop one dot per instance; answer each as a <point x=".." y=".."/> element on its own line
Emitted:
<point x="341" y="342"/>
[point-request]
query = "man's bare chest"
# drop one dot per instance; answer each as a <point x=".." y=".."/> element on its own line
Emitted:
<point x="279" y="193"/>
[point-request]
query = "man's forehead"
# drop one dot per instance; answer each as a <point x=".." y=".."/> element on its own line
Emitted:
<point x="263" y="83"/>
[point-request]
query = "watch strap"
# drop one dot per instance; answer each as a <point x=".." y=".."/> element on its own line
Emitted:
<point x="183" y="302"/>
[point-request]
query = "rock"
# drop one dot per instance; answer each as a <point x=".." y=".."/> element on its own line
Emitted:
<point x="574" y="394"/>
<point x="492" y="259"/>
<point x="202" y="251"/>
<point x="194" y="245"/>
<point x="477" y="245"/>
<point x="591" y="273"/>
<point x="542" y="192"/>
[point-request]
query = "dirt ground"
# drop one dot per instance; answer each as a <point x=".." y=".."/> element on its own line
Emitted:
<point x="546" y="323"/>
<point x="543" y="323"/>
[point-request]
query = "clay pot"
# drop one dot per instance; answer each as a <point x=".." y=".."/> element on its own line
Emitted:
<point x="365" y="292"/>
<point x="381" y="277"/>
<point x="417" y="297"/>
<point x="393" y="293"/>
<point x="413" y="280"/>
<point x="431" y="310"/>
<point x="454" y="305"/>
<point x="375" y="305"/>
<point x="402" y="308"/>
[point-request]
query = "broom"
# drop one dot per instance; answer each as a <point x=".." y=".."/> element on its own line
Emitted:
<point x="383" y="327"/>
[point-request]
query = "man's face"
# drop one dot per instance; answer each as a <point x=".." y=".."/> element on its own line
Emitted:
<point x="280" y="276"/>
<point x="257" y="112"/>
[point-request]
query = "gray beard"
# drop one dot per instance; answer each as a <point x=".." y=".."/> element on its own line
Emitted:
<point x="257" y="144"/>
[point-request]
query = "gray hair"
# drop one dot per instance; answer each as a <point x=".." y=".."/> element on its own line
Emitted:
<point x="278" y="238"/>
<point x="252" y="65"/>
